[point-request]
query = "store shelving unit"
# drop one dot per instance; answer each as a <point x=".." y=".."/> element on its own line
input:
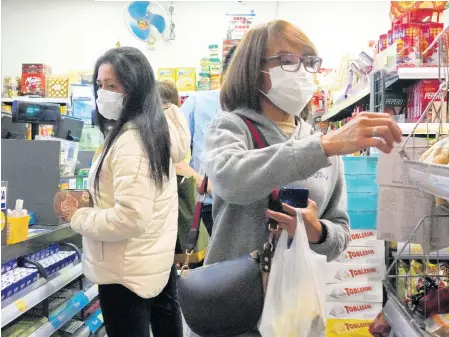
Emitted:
<point x="20" y="303"/>
<point x="76" y="306"/>
<point x="345" y="104"/>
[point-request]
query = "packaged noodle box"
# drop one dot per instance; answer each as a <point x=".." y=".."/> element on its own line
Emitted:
<point x="167" y="74"/>
<point x="186" y="79"/>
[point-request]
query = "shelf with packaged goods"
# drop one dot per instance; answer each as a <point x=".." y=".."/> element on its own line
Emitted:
<point x="21" y="302"/>
<point x="75" y="305"/>
<point x="400" y="322"/>
<point x="424" y="129"/>
<point x="415" y="252"/>
<point x="36" y="100"/>
<point x="346" y="103"/>
<point x="50" y="235"/>
<point x="92" y="325"/>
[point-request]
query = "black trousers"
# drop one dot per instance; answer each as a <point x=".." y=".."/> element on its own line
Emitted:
<point x="206" y="216"/>
<point x="126" y="314"/>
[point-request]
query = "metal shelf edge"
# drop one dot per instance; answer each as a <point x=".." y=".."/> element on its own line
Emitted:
<point x="398" y="321"/>
<point x="340" y="106"/>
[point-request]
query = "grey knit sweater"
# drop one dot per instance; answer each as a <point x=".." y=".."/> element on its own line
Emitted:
<point x="242" y="178"/>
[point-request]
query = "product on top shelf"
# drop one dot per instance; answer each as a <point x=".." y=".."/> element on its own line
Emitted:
<point x="213" y="50"/>
<point x="204" y="81"/>
<point x="383" y="42"/>
<point x="34" y="79"/>
<point x="407" y="37"/>
<point x="205" y="65"/>
<point x="215" y="66"/>
<point x="58" y="87"/>
<point x="429" y="33"/>
<point x="185" y="79"/>
<point x="419" y="96"/>
<point x="227" y="45"/>
<point x="11" y="86"/>
<point x="167" y="74"/>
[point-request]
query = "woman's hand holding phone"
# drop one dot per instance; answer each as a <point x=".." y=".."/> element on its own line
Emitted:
<point x="288" y="221"/>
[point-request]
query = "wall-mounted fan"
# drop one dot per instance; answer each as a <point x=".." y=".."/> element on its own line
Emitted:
<point x="147" y="21"/>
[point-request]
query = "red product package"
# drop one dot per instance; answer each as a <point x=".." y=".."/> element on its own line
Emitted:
<point x="383" y="42"/>
<point x="407" y="37"/>
<point x="429" y="33"/>
<point x="34" y="79"/>
<point x="419" y="97"/>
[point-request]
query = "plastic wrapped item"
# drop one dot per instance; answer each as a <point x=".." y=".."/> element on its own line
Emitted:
<point x="294" y="302"/>
<point x="438" y="154"/>
<point x="438" y="325"/>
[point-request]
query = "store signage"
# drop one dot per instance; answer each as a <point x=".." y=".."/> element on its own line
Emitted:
<point x="239" y="24"/>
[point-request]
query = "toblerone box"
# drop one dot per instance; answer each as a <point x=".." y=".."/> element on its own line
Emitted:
<point x="4" y="188"/>
<point x="353" y="310"/>
<point x="348" y="327"/>
<point x="342" y="273"/>
<point x="354" y="292"/>
<point x="356" y="255"/>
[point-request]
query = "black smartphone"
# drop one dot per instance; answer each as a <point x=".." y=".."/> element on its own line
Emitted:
<point x="295" y="197"/>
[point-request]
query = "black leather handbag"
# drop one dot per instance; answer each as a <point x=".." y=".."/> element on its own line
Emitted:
<point x="226" y="298"/>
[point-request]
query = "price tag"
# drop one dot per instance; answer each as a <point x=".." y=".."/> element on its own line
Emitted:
<point x="100" y="318"/>
<point x="21" y="306"/>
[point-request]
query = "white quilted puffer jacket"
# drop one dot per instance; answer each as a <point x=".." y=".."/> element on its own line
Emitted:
<point x="129" y="236"/>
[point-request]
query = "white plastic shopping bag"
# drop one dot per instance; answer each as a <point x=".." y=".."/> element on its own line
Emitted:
<point x="294" y="302"/>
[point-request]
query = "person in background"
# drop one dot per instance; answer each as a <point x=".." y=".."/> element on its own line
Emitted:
<point x="270" y="82"/>
<point x="129" y="235"/>
<point x="199" y="110"/>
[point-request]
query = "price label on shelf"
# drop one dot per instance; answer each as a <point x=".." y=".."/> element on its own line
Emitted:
<point x="21" y="306"/>
<point x="100" y="317"/>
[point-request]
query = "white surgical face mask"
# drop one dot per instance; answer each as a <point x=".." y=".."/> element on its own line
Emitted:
<point x="109" y="104"/>
<point x="290" y="91"/>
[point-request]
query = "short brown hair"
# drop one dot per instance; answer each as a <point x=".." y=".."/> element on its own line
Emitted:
<point x="241" y="85"/>
<point x="168" y="92"/>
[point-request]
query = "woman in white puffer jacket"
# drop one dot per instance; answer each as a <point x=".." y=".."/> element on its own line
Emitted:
<point x="129" y="235"/>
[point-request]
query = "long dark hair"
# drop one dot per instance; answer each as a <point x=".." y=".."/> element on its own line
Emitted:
<point x="141" y="105"/>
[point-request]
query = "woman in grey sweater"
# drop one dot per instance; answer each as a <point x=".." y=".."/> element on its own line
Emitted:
<point x="270" y="82"/>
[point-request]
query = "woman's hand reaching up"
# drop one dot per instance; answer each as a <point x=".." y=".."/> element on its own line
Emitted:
<point x="368" y="129"/>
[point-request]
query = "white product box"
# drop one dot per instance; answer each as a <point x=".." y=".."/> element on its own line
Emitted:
<point x="355" y="292"/>
<point x="344" y="273"/>
<point x="352" y="310"/>
<point x="365" y="237"/>
<point x="362" y="255"/>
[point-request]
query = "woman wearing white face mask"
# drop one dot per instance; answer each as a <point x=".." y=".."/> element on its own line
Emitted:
<point x="270" y="82"/>
<point x="129" y="235"/>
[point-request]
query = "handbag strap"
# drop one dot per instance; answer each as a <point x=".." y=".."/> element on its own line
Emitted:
<point x="273" y="203"/>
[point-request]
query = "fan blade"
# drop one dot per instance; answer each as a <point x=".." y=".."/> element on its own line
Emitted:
<point x="141" y="34"/>
<point x="138" y="9"/>
<point x="158" y="21"/>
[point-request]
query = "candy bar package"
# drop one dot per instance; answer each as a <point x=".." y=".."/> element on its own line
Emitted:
<point x="347" y="327"/>
<point x="363" y="238"/>
<point x="342" y="273"/>
<point x="67" y="200"/>
<point x="362" y="255"/>
<point x="438" y="325"/>
<point x="355" y="292"/>
<point x="353" y="310"/>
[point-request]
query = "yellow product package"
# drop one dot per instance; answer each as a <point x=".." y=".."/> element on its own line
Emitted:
<point x="186" y="79"/>
<point x="167" y="75"/>
<point x="348" y="328"/>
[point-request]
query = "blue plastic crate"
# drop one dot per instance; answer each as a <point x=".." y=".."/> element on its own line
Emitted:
<point x="362" y="220"/>
<point x="361" y="183"/>
<point x="365" y="202"/>
<point x="360" y="165"/>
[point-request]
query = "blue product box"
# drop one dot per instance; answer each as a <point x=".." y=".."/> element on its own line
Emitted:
<point x="366" y="202"/>
<point x="360" y="165"/>
<point x="361" y="183"/>
<point x="67" y="310"/>
<point x="9" y="265"/>
<point x="93" y="322"/>
<point x="362" y="220"/>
